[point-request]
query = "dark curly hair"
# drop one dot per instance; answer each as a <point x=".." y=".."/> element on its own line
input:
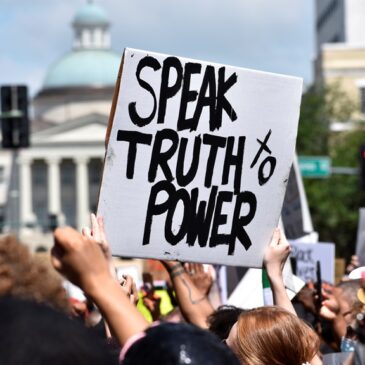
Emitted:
<point x="24" y="276"/>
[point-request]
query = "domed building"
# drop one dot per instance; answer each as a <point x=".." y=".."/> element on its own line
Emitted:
<point x="82" y="81"/>
<point x="60" y="173"/>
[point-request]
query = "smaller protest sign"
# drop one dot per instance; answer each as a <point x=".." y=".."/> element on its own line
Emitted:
<point x="306" y="256"/>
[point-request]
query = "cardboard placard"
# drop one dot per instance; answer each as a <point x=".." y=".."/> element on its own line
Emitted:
<point x="308" y="254"/>
<point x="295" y="214"/>
<point x="197" y="160"/>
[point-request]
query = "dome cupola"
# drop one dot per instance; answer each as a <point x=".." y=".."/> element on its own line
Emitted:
<point x="91" y="63"/>
<point x="91" y="26"/>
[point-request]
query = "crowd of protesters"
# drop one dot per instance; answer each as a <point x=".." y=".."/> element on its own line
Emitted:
<point x="99" y="323"/>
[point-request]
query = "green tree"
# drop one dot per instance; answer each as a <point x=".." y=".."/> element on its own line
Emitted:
<point x="334" y="202"/>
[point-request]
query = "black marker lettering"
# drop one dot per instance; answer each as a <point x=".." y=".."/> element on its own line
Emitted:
<point x="135" y="118"/>
<point x="188" y="96"/>
<point x="160" y="158"/>
<point x="133" y="138"/>
<point x="166" y="91"/>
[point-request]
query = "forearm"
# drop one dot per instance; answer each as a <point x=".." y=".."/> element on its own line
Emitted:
<point x="280" y="295"/>
<point x="194" y="306"/>
<point x="340" y="328"/>
<point x="121" y="315"/>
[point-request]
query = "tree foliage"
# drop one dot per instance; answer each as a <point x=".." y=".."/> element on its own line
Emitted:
<point x="334" y="202"/>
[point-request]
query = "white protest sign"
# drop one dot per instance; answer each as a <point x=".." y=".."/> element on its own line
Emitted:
<point x="198" y="159"/>
<point x="307" y="255"/>
<point x="360" y="241"/>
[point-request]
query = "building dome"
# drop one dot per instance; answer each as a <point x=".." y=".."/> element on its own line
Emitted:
<point x="91" y="14"/>
<point x="91" y="63"/>
<point x="93" y="68"/>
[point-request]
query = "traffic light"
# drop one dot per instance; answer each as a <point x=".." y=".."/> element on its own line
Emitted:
<point x="14" y="116"/>
<point x="362" y="167"/>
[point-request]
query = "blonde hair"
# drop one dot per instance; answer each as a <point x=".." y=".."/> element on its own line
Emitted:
<point x="273" y="336"/>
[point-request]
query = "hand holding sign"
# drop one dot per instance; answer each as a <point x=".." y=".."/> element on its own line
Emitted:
<point x="276" y="254"/>
<point x="203" y="280"/>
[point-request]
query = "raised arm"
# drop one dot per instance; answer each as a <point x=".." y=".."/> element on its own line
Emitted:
<point x="274" y="260"/>
<point x="82" y="261"/>
<point x="194" y="304"/>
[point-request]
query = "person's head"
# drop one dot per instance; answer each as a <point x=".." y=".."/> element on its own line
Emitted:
<point x="272" y="335"/>
<point x="221" y="321"/>
<point x="25" y="276"/>
<point x="33" y="333"/>
<point x="177" y="344"/>
<point x="346" y="296"/>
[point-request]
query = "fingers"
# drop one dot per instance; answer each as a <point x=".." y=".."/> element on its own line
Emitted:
<point x="97" y="233"/>
<point x="95" y="228"/>
<point x="279" y="240"/>
<point x="134" y="294"/>
<point x="149" y="303"/>
<point x="102" y="230"/>
<point x="275" y="240"/>
<point x="327" y="313"/>
<point x="282" y="236"/>
<point x="211" y="272"/>
<point x="193" y="268"/>
<point x="86" y="231"/>
<point x="66" y="238"/>
<point x="130" y="288"/>
<point x="134" y="290"/>
<point x="128" y="283"/>
<point x="188" y="267"/>
<point x="55" y="258"/>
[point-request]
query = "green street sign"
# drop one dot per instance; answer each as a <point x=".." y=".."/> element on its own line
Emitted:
<point x="315" y="166"/>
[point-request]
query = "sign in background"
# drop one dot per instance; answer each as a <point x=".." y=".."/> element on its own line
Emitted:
<point x="307" y="255"/>
<point x="315" y="166"/>
<point x="198" y="159"/>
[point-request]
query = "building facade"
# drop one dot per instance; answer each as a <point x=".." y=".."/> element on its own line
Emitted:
<point x="60" y="174"/>
<point x="340" y="43"/>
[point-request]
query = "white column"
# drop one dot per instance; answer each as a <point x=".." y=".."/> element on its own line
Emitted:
<point x="82" y="192"/>
<point x="26" y="209"/>
<point x="54" y="185"/>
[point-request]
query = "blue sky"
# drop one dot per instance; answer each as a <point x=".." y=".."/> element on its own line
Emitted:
<point x="275" y="36"/>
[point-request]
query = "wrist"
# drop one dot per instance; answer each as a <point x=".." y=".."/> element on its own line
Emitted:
<point x="95" y="286"/>
<point x="276" y="280"/>
<point x="172" y="265"/>
<point x="274" y="273"/>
